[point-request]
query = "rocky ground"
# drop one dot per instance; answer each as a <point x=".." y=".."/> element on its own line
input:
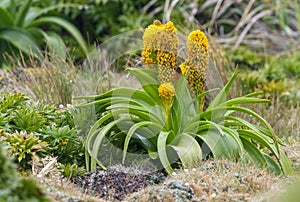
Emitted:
<point x="212" y="180"/>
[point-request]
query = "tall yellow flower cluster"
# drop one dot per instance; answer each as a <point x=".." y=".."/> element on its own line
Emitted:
<point x="160" y="48"/>
<point x="197" y="61"/>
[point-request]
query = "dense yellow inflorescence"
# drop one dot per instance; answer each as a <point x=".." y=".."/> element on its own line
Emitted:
<point x="195" y="78"/>
<point x="197" y="62"/>
<point x="166" y="91"/>
<point x="160" y="47"/>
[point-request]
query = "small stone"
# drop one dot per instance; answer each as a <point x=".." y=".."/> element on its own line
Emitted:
<point x="174" y="174"/>
<point x="61" y="106"/>
<point x="194" y="169"/>
<point x="214" y="195"/>
<point x="187" y="184"/>
<point x="186" y="170"/>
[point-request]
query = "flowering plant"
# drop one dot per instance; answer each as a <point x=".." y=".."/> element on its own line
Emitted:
<point x="166" y="121"/>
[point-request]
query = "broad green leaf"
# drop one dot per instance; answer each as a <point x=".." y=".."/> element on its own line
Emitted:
<point x="96" y="144"/>
<point x="35" y="12"/>
<point x="254" y="94"/>
<point x="272" y="164"/>
<point x="285" y="163"/>
<point x="147" y="144"/>
<point x="21" y="40"/>
<point x="153" y="154"/>
<point x="262" y="120"/>
<point x="254" y="153"/>
<point x="221" y="97"/>
<point x="184" y="99"/>
<point x="99" y="123"/>
<point x="5" y="19"/>
<point x="245" y="100"/>
<point x="149" y="84"/>
<point x="220" y="145"/>
<point x="251" y="127"/>
<point x="261" y="139"/>
<point x="122" y="92"/>
<point x="56" y="44"/>
<point x="53" y="41"/>
<point x="199" y="96"/>
<point x="141" y="112"/>
<point x="187" y="148"/>
<point x="19" y="21"/>
<point x="175" y="118"/>
<point x="64" y="24"/>
<point x="196" y="126"/>
<point x="130" y="133"/>
<point x="162" y="150"/>
<point x="235" y="135"/>
<point x="5" y="3"/>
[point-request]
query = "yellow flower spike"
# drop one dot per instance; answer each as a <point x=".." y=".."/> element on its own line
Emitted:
<point x="195" y="79"/>
<point x="160" y="44"/>
<point x="197" y="47"/>
<point x="166" y="91"/>
<point x="196" y="63"/>
<point x="199" y="38"/>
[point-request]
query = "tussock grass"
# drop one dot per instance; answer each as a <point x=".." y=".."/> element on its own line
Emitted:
<point x="48" y="79"/>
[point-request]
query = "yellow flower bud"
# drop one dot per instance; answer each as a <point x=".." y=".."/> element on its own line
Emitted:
<point x="166" y="91"/>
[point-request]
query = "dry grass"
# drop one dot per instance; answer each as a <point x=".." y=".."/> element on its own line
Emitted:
<point x="48" y="79"/>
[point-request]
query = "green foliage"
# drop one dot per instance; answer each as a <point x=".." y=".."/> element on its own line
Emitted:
<point x="24" y="147"/>
<point x="21" y="27"/>
<point x="12" y="101"/>
<point x="14" y="189"/>
<point x="45" y="128"/>
<point x="28" y="191"/>
<point x="8" y="177"/>
<point x="245" y="58"/>
<point x="290" y="64"/>
<point x="28" y="119"/>
<point x="71" y="170"/>
<point x="64" y="143"/>
<point x="183" y="132"/>
<point x="275" y="75"/>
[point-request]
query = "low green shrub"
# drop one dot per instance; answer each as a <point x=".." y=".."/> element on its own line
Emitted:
<point x="24" y="147"/>
<point x="13" y="188"/>
<point x="31" y="128"/>
<point x="64" y="143"/>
